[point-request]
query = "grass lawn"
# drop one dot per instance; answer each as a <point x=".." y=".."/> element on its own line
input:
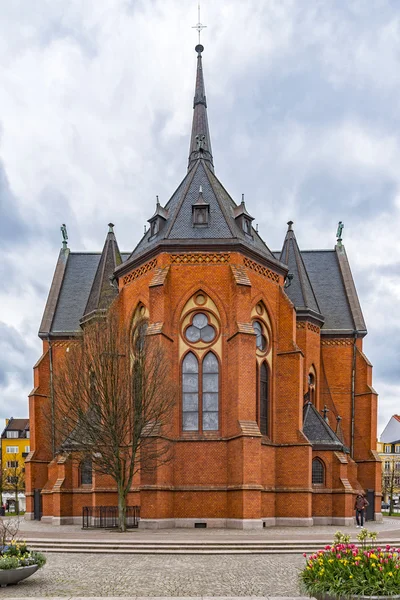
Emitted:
<point x="386" y="514"/>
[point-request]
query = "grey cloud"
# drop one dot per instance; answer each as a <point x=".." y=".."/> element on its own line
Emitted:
<point x="13" y="229"/>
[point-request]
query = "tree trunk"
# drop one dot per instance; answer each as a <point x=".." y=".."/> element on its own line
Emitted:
<point x="121" y="509"/>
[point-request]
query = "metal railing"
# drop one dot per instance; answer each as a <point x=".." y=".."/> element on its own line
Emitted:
<point x="106" y="517"/>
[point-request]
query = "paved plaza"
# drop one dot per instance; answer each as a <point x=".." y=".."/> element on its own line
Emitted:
<point x="80" y="575"/>
<point x="162" y="575"/>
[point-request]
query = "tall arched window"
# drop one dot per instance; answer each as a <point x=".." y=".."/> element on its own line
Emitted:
<point x="190" y="393"/>
<point x="318" y="471"/>
<point x="264" y="399"/>
<point x="311" y="386"/>
<point x="200" y="393"/>
<point x="210" y="392"/>
<point x="86" y="471"/>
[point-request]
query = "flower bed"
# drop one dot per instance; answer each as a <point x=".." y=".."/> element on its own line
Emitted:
<point x="16" y="554"/>
<point x="17" y="562"/>
<point x="346" y="570"/>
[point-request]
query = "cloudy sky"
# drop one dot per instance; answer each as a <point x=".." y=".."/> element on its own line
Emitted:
<point x="95" y="114"/>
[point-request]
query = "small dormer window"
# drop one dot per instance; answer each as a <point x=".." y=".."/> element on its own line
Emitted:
<point x="154" y="227"/>
<point x="201" y="211"/>
<point x="242" y="218"/>
<point x="158" y="220"/>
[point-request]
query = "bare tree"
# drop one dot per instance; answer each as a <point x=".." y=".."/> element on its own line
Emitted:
<point x="113" y="402"/>
<point x="391" y="481"/>
<point x="14" y="475"/>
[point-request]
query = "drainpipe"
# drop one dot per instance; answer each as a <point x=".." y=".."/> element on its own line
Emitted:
<point x="53" y="423"/>
<point x="353" y="395"/>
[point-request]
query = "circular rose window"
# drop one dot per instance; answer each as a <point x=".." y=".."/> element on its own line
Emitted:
<point x="200" y="329"/>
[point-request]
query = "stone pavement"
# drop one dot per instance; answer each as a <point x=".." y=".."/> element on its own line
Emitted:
<point x="108" y="575"/>
<point x="184" y="576"/>
<point x="389" y="529"/>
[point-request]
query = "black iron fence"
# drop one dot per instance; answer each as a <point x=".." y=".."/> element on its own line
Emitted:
<point x="106" y="517"/>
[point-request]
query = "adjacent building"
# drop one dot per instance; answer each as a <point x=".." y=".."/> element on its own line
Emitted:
<point x="15" y="447"/>
<point x="389" y="451"/>
<point x="277" y="417"/>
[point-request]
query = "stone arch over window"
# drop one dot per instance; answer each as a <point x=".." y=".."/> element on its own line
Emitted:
<point x="86" y="471"/>
<point x="318" y="472"/>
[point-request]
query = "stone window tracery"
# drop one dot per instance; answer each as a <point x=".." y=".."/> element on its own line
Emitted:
<point x="200" y="329"/>
<point x="200" y="393"/>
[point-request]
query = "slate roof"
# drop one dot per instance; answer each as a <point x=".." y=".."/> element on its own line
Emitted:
<point x="300" y="291"/>
<point x="326" y="277"/>
<point x="73" y="295"/>
<point x="102" y="293"/>
<point x="222" y="224"/>
<point x="177" y="213"/>
<point x="318" y="431"/>
<point x="322" y="283"/>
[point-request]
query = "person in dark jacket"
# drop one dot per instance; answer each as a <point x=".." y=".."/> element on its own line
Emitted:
<point x="360" y="505"/>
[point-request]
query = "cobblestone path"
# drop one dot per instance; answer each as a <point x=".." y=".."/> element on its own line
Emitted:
<point x="162" y="575"/>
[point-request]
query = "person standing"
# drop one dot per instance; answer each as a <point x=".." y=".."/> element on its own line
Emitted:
<point x="360" y="505"/>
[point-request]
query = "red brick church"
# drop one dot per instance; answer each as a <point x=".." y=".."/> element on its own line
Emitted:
<point x="276" y="420"/>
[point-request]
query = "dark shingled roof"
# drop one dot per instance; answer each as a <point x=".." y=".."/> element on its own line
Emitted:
<point x="177" y="223"/>
<point x="301" y="290"/>
<point x="318" y="431"/>
<point x="322" y="284"/>
<point x="326" y="277"/>
<point x="222" y="224"/>
<point x="77" y="282"/>
<point x="16" y="425"/>
<point x="102" y="293"/>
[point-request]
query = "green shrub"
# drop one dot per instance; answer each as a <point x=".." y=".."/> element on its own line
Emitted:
<point x="9" y="562"/>
<point x="343" y="569"/>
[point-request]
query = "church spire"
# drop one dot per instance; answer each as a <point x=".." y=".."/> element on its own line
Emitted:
<point x="200" y="142"/>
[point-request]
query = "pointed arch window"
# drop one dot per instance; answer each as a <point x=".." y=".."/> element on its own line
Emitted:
<point x="190" y="393"/>
<point x="318" y="472"/>
<point x="264" y="399"/>
<point x="200" y="393"/>
<point x="210" y="392"/>
<point x="86" y="471"/>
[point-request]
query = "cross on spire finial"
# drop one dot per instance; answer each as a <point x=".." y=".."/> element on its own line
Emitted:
<point x="199" y="25"/>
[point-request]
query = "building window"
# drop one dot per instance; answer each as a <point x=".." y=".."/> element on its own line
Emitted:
<point x="200" y="330"/>
<point x="28" y="434"/>
<point x="318" y="472"/>
<point x="387" y="465"/>
<point x="261" y="339"/>
<point x="12" y="479"/>
<point x="12" y="434"/>
<point x="264" y="399"/>
<point x="397" y="449"/>
<point x="190" y="393"/>
<point x="210" y="392"/>
<point x="12" y="464"/>
<point x="388" y="449"/>
<point x="200" y="381"/>
<point x="12" y="449"/>
<point x="86" y="471"/>
<point x="27" y="448"/>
